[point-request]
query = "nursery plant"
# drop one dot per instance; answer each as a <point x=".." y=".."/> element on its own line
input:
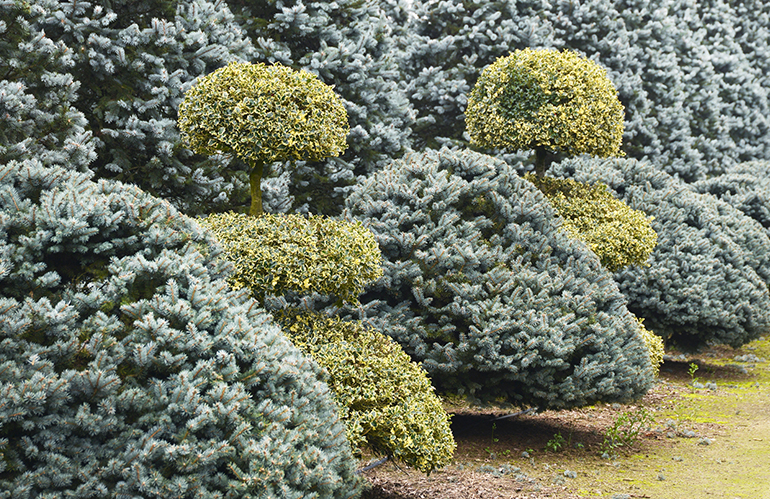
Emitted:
<point x="263" y="114"/>
<point x="385" y="399"/>
<point x="350" y="45"/>
<point x="278" y="254"/>
<point x="484" y="289"/>
<point x="546" y="100"/>
<point x="130" y="64"/>
<point x="745" y="186"/>
<point x="690" y="75"/>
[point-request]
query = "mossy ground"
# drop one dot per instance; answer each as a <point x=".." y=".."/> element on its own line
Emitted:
<point x="704" y="443"/>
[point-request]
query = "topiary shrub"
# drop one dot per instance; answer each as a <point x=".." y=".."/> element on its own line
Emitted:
<point x="745" y="186"/>
<point x="275" y="254"/>
<point x="619" y="235"/>
<point x="547" y="100"/>
<point x="386" y="399"/>
<point x="349" y="44"/>
<point x="128" y="368"/>
<point x="482" y="287"/>
<point x="263" y="114"/>
<point x="707" y="277"/>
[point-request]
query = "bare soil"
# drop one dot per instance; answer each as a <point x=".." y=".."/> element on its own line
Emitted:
<point x="703" y="442"/>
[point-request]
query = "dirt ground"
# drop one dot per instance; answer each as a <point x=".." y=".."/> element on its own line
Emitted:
<point x="706" y="440"/>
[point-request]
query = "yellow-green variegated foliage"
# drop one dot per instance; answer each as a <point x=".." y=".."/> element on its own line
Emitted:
<point x="555" y="100"/>
<point x="618" y="234"/>
<point x="275" y="254"/>
<point x="654" y="345"/>
<point x="262" y="114"/>
<point x="385" y="399"/>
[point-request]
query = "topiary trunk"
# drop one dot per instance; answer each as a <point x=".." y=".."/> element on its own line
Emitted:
<point x="255" y="179"/>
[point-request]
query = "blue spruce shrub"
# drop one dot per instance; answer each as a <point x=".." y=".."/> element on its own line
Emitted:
<point x="483" y="287"/>
<point x="745" y="186"/>
<point x="128" y="367"/>
<point x="707" y="277"/>
<point x="37" y="92"/>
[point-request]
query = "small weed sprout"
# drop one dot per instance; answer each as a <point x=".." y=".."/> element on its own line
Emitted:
<point x="626" y="429"/>
<point x="693" y="369"/>
<point x="556" y="443"/>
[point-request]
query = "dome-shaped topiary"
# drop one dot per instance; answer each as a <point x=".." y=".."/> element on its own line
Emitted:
<point x="707" y="278"/>
<point x="620" y="235"/>
<point x="129" y="368"/>
<point x="483" y="287"/>
<point x="275" y="254"/>
<point x="262" y="114"/>
<point x="386" y="399"/>
<point x="546" y="100"/>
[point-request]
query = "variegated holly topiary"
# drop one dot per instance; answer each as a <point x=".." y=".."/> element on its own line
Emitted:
<point x="386" y="400"/>
<point x="618" y="234"/>
<point x="275" y="254"/>
<point x="655" y="345"/>
<point x="262" y="114"/>
<point x="547" y="100"/>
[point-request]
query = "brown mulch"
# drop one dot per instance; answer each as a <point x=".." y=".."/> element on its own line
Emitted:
<point x="484" y="444"/>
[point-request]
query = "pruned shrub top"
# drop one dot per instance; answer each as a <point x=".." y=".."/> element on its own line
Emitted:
<point x="263" y="113"/>
<point x="484" y="288"/>
<point x="707" y="278"/>
<point x="276" y="254"/>
<point x="129" y="368"/>
<point x="545" y="98"/>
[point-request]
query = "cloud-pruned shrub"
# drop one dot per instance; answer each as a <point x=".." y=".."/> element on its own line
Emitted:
<point x="129" y="368"/>
<point x="619" y="235"/>
<point x="655" y="346"/>
<point x="276" y="254"/>
<point x="386" y="400"/>
<point x="263" y="114"/>
<point x="706" y="279"/>
<point x="549" y="101"/>
<point x="349" y="45"/>
<point x="690" y="74"/>
<point x="483" y="287"/>
<point x="745" y="186"/>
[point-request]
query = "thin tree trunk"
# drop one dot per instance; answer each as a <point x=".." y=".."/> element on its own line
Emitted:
<point x="543" y="160"/>
<point x="255" y="179"/>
